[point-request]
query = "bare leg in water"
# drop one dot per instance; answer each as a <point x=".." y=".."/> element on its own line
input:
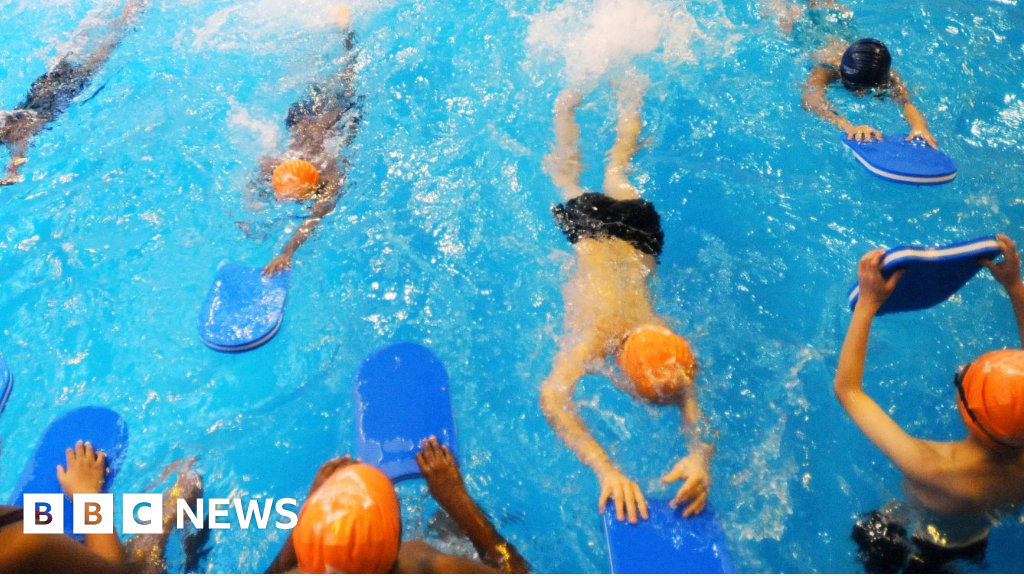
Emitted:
<point x="627" y="141"/>
<point x="21" y="124"/>
<point x="564" y="165"/>
<point x="147" y="553"/>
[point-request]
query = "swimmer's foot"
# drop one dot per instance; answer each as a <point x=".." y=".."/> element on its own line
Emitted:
<point x="85" y="472"/>
<point x="444" y="480"/>
<point x="568" y="101"/>
<point x="342" y="16"/>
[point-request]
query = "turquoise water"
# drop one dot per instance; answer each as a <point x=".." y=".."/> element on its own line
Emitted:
<point x="445" y="237"/>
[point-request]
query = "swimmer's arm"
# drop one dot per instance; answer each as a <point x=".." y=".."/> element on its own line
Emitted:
<point x="1016" y="294"/>
<point x="55" y="554"/>
<point x="106" y="546"/>
<point x="418" y="557"/>
<point x="556" y="401"/>
<point x="694" y="425"/>
<point x="915" y="458"/>
<point x="918" y="125"/>
<point x="694" y="469"/>
<point x="17" y="150"/>
<point x="814" y="98"/>
<point x="286" y="560"/>
<point x="284" y="260"/>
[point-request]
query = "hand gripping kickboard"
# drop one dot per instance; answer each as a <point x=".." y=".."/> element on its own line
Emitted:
<point x="895" y="159"/>
<point x="401" y="400"/>
<point x="243" y="309"/>
<point x="667" y="543"/>
<point x="103" y="427"/>
<point x="6" y="383"/>
<point x="932" y="275"/>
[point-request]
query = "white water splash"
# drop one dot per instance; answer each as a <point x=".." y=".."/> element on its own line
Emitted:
<point x="266" y="131"/>
<point x="594" y="39"/>
<point x="264" y="21"/>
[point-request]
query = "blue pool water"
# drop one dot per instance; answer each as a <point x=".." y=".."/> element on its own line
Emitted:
<point x="445" y="237"/>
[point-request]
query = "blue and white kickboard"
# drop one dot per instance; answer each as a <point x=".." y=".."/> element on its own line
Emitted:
<point x="103" y="427"/>
<point x="244" y="309"/>
<point x="401" y="400"/>
<point x="895" y="159"/>
<point x="6" y="383"/>
<point x="667" y="543"/>
<point x="932" y="275"/>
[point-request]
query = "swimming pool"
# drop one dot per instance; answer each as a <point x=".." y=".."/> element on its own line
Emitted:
<point x="445" y="237"/>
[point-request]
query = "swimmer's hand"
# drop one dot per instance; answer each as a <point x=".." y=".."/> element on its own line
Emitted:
<point x="442" y="474"/>
<point x="695" y="488"/>
<point x="278" y="265"/>
<point x="85" y="472"/>
<point x="874" y="289"/>
<point x="1006" y="272"/>
<point x="626" y="493"/>
<point x="923" y="133"/>
<point x="862" y="133"/>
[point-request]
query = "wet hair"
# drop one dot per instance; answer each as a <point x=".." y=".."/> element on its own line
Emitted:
<point x="865" y="64"/>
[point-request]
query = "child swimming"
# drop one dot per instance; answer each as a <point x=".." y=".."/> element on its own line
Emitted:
<point x="84" y="473"/>
<point x="955" y="489"/>
<point x="309" y="170"/>
<point x="52" y="93"/>
<point x="617" y="238"/>
<point x="862" y="65"/>
<point x="351" y="523"/>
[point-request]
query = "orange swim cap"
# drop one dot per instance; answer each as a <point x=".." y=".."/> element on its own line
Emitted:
<point x="351" y="524"/>
<point x="991" y="397"/>
<point x="658" y="361"/>
<point x="295" y="180"/>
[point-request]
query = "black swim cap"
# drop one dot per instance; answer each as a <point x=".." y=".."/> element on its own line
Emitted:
<point x="865" y="64"/>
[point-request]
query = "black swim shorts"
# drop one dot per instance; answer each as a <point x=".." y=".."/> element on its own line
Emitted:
<point x="591" y="215"/>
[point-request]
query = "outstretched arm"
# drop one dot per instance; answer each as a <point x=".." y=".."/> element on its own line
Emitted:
<point x="446" y="486"/>
<point x="558" y="405"/>
<point x="1007" y="273"/>
<point x="815" y="99"/>
<point x="17" y="150"/>
<point x="320" y="209"/>
<point x="912" y="456"/>
<point x="918" y="125"/>
<point x="695" y="467"/>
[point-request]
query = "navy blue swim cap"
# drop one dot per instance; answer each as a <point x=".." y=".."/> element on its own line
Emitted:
<point x="865" y="64"/>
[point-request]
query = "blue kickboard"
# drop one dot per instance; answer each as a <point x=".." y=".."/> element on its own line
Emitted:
<point x="401" y="400"/>
<point x="895" y="159"/>
<point x="6" y="383"/>
<point x="243" y="309"/>
<point x="932" y="275"/>
<point x="667" y="543"/>
<point x="103" y="427"/>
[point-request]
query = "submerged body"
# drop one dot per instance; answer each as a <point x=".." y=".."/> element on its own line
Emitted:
<point x="351" y="522"/>
<point x="617" y="238"/>
<point x="860" y="65"/>
<point x="328" y="109"/>
<point x="52" y="93"/>
<point x="84" y="473"/>
<point x="956" y="489"/>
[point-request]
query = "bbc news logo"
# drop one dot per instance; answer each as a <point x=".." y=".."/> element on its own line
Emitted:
<point x="144" y="513"/>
